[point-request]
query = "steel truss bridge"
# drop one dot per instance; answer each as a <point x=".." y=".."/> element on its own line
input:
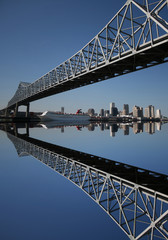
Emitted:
<point x="135" y="38"/>
<point x="136" y="199"/>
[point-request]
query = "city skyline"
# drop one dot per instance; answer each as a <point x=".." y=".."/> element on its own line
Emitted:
<point x="33" y="44"/>
<point x="136" y="111"/>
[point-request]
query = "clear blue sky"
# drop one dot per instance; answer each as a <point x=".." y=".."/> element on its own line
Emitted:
<point x="38" y="35"/>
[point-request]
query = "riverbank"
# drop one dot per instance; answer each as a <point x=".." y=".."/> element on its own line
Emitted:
<point x="127" y="119"/>
<point x="18" y="119"/>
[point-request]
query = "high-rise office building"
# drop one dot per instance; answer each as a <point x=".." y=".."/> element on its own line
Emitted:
<point x="102" y="112"/>
<point x="137" y="111"/>
<point x="158" y="113"/>
<point x="125" y="109"/>
<point x="112" y="105"/>
<point x="106" y="113"/>
<point x="62" y="110"/>
<point x="113" y="109"/>
<point x="91" y="111"/>
<point x="152" y="109"/>
<point x="149" y="112"/>
<point x="146" y="114"/>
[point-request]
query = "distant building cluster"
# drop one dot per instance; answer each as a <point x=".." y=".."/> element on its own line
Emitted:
<point x="137" y="112"/>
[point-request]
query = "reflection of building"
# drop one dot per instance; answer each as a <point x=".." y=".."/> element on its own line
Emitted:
<point x="125" y="129"/>
<point x="102" y="127"/>
<point x="149" y="112"/>
<point x="91" y="127"/>
<point x="150" y="127"/>
<point x="137" y="128"/>
<point x="106" y="126"/>
<point x="113" y="130"/>
<point x="158" y="126"/>
<point x="137" y="111"/>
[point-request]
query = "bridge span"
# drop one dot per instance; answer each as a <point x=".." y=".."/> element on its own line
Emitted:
<point x="135" y="38"/>
<point x="135" y="199"/>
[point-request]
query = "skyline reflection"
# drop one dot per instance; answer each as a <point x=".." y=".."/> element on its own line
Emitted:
<point x="113" y="128"/>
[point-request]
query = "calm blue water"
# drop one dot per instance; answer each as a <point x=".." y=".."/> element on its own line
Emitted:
<point x="37" y="203"/>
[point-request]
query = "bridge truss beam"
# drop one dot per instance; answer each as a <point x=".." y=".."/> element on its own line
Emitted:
<point x="135" y="38"/>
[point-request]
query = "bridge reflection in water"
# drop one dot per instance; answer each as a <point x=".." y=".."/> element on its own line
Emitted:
<point x="136" y="199"/>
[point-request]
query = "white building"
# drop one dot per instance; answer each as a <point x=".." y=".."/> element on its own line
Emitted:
<point x="112" y="105"/>
<point x="158" y="113"/>
<point x="149" y="112"/>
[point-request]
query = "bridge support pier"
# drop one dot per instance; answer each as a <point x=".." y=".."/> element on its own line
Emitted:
<point x="27" y="109"/>
<point x="16" y="110"/>
<point x="7" y="112"/>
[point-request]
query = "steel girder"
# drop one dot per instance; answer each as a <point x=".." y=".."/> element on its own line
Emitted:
<point x="138" y="210"/>
<point x="135" y="38"/>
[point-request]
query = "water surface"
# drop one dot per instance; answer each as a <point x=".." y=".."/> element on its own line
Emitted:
<point x="38" y="203"/>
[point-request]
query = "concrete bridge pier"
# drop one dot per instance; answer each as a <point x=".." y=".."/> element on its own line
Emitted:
<point x="15" y="109"/>
<point x="8" y="111"/>
<point x="27" y="109"/>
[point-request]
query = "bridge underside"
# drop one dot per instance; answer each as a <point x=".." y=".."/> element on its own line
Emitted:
<point x="126" y="64"/>
<point x="130" y="63"/>
<point x="135" y="38"/>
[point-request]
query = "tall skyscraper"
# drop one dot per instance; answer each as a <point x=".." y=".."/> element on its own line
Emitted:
<point x="102" y="112"/>
<point x="112" y="105"/>
<point x="158" y="113"/>
<point x="125" y="109"/>
<point x="137" y="111"/>
<point x="62" y="110"/>
<point x="106" y="113"/>
<point x="150" y="112"/>
<point x="146" y="114"/>
<point x="113" y="109"/>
